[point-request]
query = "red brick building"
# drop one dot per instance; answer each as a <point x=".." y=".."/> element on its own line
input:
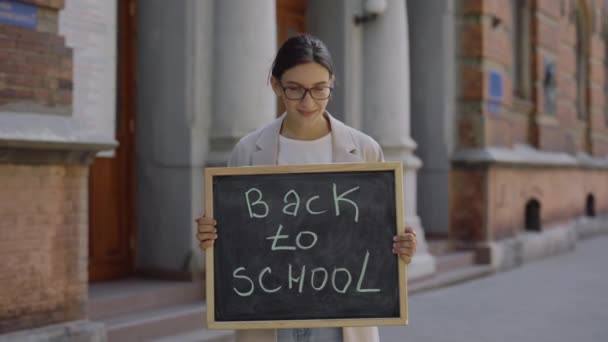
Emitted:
<point x="532" y="124"/>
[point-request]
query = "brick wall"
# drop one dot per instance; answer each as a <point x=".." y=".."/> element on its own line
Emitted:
<point x="599" y="126"/>
<point x="486" y="30"/>
<point x="468" y="194"/>
<point x="36" y="65"/>
<point x="43" y="244"/>
<point x="547" y="33"/>
<point x="488" y="200"/>
<point x="488" y="203"/>
<point x="566" y="131"/>
<point x="486" y="48"/>
<point x="510" y="189"/>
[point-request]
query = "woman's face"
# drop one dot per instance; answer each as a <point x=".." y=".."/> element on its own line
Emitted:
<point x="295" y="82"/>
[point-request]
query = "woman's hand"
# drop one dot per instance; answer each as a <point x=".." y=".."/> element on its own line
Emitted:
<point x="404" y="245"/>
<point x="207" y="232"/>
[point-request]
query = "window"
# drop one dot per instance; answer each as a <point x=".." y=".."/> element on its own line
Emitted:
<point x="581" y="52"/>
<point x="606" y="76"/>
<point x="520" y="39"/>
<point x="590" y="205"/>
<point x="605" y="34"/>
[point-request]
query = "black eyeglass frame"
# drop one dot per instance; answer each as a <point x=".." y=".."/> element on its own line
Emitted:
<point x="309" y="91"/>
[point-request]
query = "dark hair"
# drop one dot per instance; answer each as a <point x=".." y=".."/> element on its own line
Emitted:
<point x="301" y="49"/>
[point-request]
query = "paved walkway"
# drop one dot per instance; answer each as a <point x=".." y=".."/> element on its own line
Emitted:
<point x="563" y="298"/>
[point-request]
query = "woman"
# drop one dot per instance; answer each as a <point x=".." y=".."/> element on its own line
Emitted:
<point x="303" y="78"/>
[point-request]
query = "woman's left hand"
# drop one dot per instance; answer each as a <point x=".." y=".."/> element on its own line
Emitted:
<point x="404" y="244"/>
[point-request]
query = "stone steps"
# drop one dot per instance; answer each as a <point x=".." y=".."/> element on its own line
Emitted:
<point x="151" y="310"/>
<point x="454" y="261"/>
<point x="113" y="298"/>
<point x="202" y="336"/>
<point x="446" y="258"/>
<point x="156" y="323"/>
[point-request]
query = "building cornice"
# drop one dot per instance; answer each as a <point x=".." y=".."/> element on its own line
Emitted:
<point x="527" y="156"/>
<point x="44" y="138"/>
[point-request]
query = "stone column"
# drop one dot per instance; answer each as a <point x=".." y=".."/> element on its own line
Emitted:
<point x="386" y="108"/>
<point x="245" y="44"/>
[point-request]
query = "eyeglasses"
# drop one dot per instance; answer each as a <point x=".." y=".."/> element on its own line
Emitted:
<point x="295" y="92"/>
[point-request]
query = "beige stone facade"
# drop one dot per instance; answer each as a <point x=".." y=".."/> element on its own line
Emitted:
<point x="43" y="244"/>
<point x="45" y="153"/>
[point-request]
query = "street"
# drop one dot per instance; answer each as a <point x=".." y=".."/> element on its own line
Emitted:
<point x="561" y="298"/>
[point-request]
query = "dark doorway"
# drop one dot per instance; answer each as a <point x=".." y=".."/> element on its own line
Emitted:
<point x="590" y="205"/>
<point x="112" y="179"/>
<point x="533" y="216"/>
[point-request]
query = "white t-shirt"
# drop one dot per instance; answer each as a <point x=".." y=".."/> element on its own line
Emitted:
<point x="294" y="152"/>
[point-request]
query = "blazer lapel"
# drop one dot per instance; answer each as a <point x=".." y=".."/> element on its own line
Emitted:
<point x="268" y="144"/>
<point x="343" y="147"/>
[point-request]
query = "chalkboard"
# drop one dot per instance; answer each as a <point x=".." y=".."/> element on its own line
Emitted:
<point x="305" y="246"/>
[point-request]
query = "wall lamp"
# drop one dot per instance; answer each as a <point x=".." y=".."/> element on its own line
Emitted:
<point x="372" y="9"/>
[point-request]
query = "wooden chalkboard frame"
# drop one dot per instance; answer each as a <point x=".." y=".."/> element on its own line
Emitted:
<point x="397" y="168"/>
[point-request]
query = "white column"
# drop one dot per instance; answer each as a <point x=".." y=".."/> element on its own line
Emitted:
<point x="245" y="44"/>
<point x="386" y="108"/>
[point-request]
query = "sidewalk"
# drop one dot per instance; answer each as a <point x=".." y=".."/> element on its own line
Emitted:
<point x="561" y="298"/>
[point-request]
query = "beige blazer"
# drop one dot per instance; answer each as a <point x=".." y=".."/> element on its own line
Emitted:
<point x="348" y="146"/>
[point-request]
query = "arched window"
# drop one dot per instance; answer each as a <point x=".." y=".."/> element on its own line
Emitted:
<point x="520" y="39"/>
<point x="533" y="223"/>
<point x="605" y="35"/>
<point x="582" y="57"/>
<point x="606" y="73"/>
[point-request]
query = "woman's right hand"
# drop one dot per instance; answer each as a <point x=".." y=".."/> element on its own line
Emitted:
<point x="207" y="231"/>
